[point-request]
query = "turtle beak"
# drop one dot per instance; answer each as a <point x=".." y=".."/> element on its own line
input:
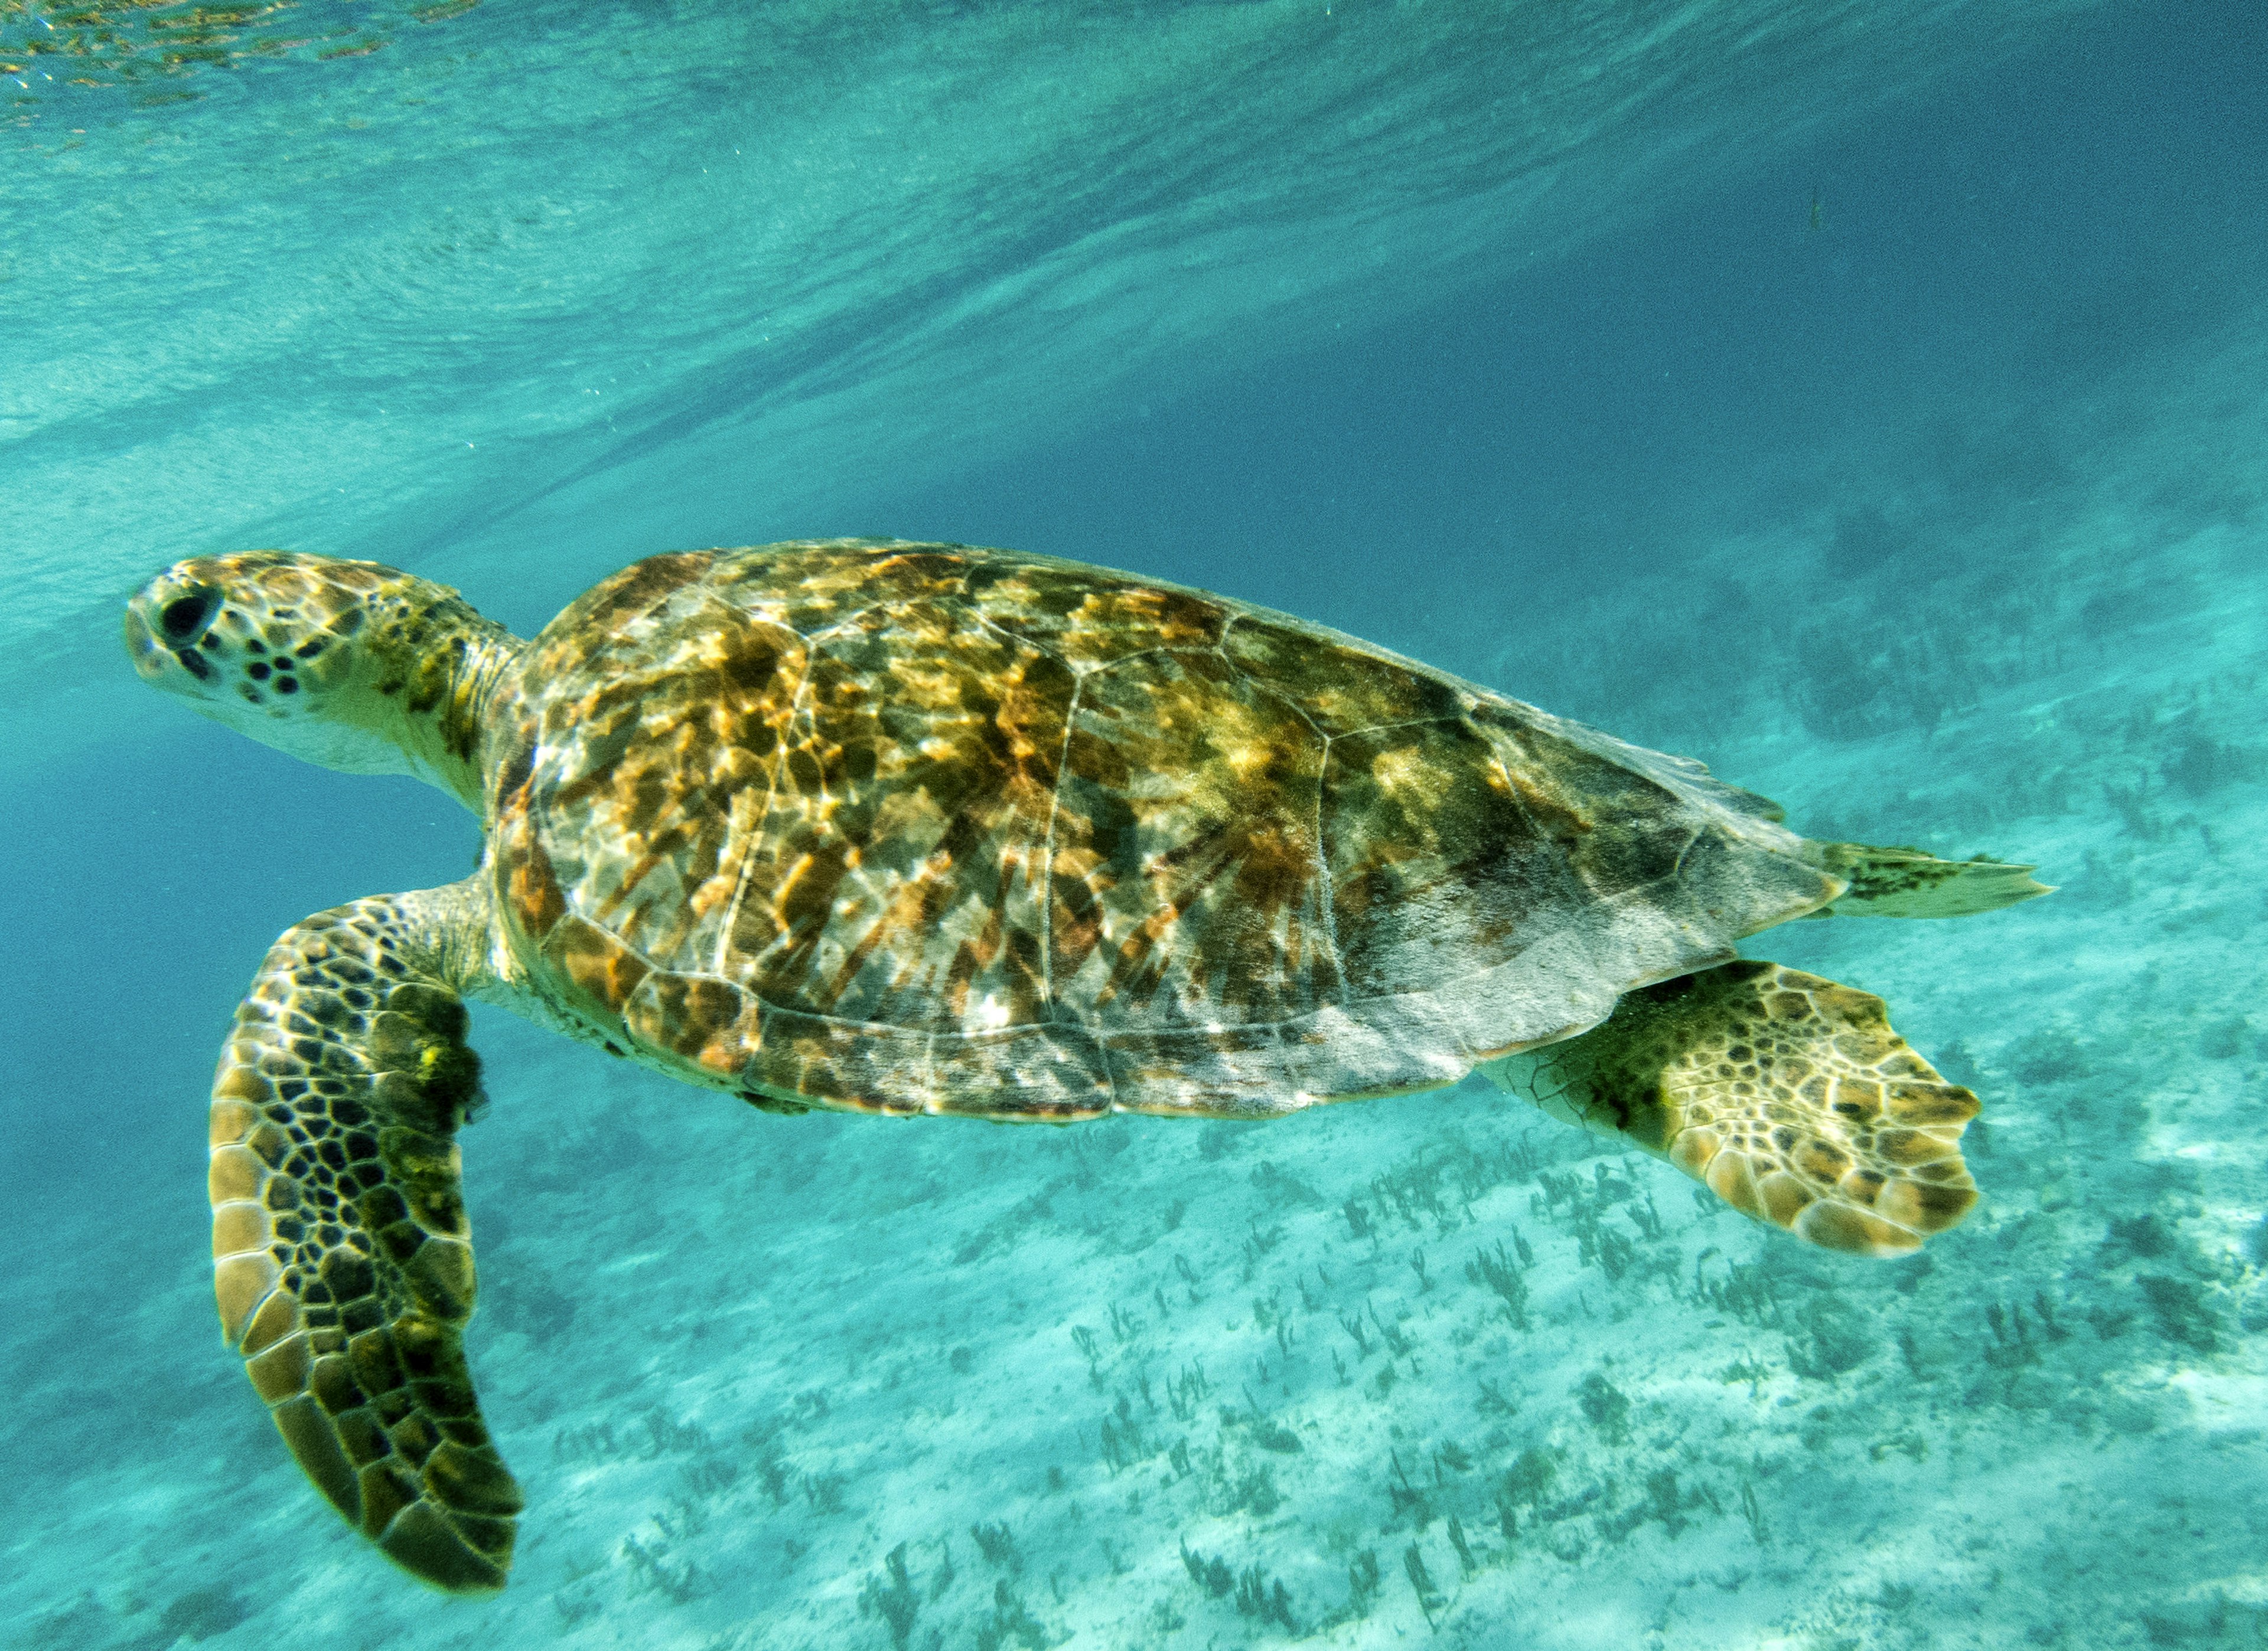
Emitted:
<point x="164" y="622"/>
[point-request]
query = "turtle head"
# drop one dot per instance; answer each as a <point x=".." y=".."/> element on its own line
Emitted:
<point x="352" y="666"/>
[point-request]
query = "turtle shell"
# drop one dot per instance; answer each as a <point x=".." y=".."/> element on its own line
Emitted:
<point x="927" y="828"/>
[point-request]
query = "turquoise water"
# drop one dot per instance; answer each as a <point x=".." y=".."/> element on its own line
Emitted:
<point x="1870" y="401"/>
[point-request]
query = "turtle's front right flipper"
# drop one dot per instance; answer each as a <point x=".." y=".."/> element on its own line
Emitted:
<point x="342" y="1260"/>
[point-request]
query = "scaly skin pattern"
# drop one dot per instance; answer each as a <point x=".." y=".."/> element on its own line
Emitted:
<point x="910" y="828"/>
<point x="1787" y="1095"/>
<point x="350" y="665"/>
<point x="342" y="1259"/>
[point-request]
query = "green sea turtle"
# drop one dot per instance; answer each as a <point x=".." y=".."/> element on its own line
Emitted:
<point x="908" y="828"/>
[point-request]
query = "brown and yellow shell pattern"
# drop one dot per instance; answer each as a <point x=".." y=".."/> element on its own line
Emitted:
<point x="926" y="828"/>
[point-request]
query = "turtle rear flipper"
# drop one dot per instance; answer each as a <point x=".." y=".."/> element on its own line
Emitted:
<point x="1787" y="1095"/>
<point x="1909" y="883"/>
<point x="342" y="1261"/>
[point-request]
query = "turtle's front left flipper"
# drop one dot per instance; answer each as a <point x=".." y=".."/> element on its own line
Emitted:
<point x="342" y="1260"/>
<point x="1788" y="1095"/>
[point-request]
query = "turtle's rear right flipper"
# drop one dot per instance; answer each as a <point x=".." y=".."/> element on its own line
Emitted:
<point x="1907" y="883"/>
<point x="342" y="1261"/>
<point x="1788" y="1095"/>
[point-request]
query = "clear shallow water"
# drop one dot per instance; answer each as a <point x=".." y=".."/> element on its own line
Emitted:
<point x="1512" y="344"/>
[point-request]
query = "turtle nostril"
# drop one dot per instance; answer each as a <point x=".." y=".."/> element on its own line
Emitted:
<point x="184" y="616"/>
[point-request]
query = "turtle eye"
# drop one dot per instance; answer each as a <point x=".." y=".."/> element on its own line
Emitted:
<point x="185" y="616"/>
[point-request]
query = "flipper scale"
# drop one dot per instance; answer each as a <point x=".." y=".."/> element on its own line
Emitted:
<point x="343" y="1261"/>
<point x="1787" y="1095"/>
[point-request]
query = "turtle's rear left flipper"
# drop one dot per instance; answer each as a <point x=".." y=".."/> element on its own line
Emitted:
<point x="342" y="1260"/>
<point x="1910" y="882"/>
<point x="1788" y="1095"/>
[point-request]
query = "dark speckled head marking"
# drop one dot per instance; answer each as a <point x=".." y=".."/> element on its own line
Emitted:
<point x="349" y="664"/>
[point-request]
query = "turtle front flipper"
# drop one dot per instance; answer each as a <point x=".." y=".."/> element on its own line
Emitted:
<point x="342" y="1260"/>
<point x="1787" y="1095"/>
